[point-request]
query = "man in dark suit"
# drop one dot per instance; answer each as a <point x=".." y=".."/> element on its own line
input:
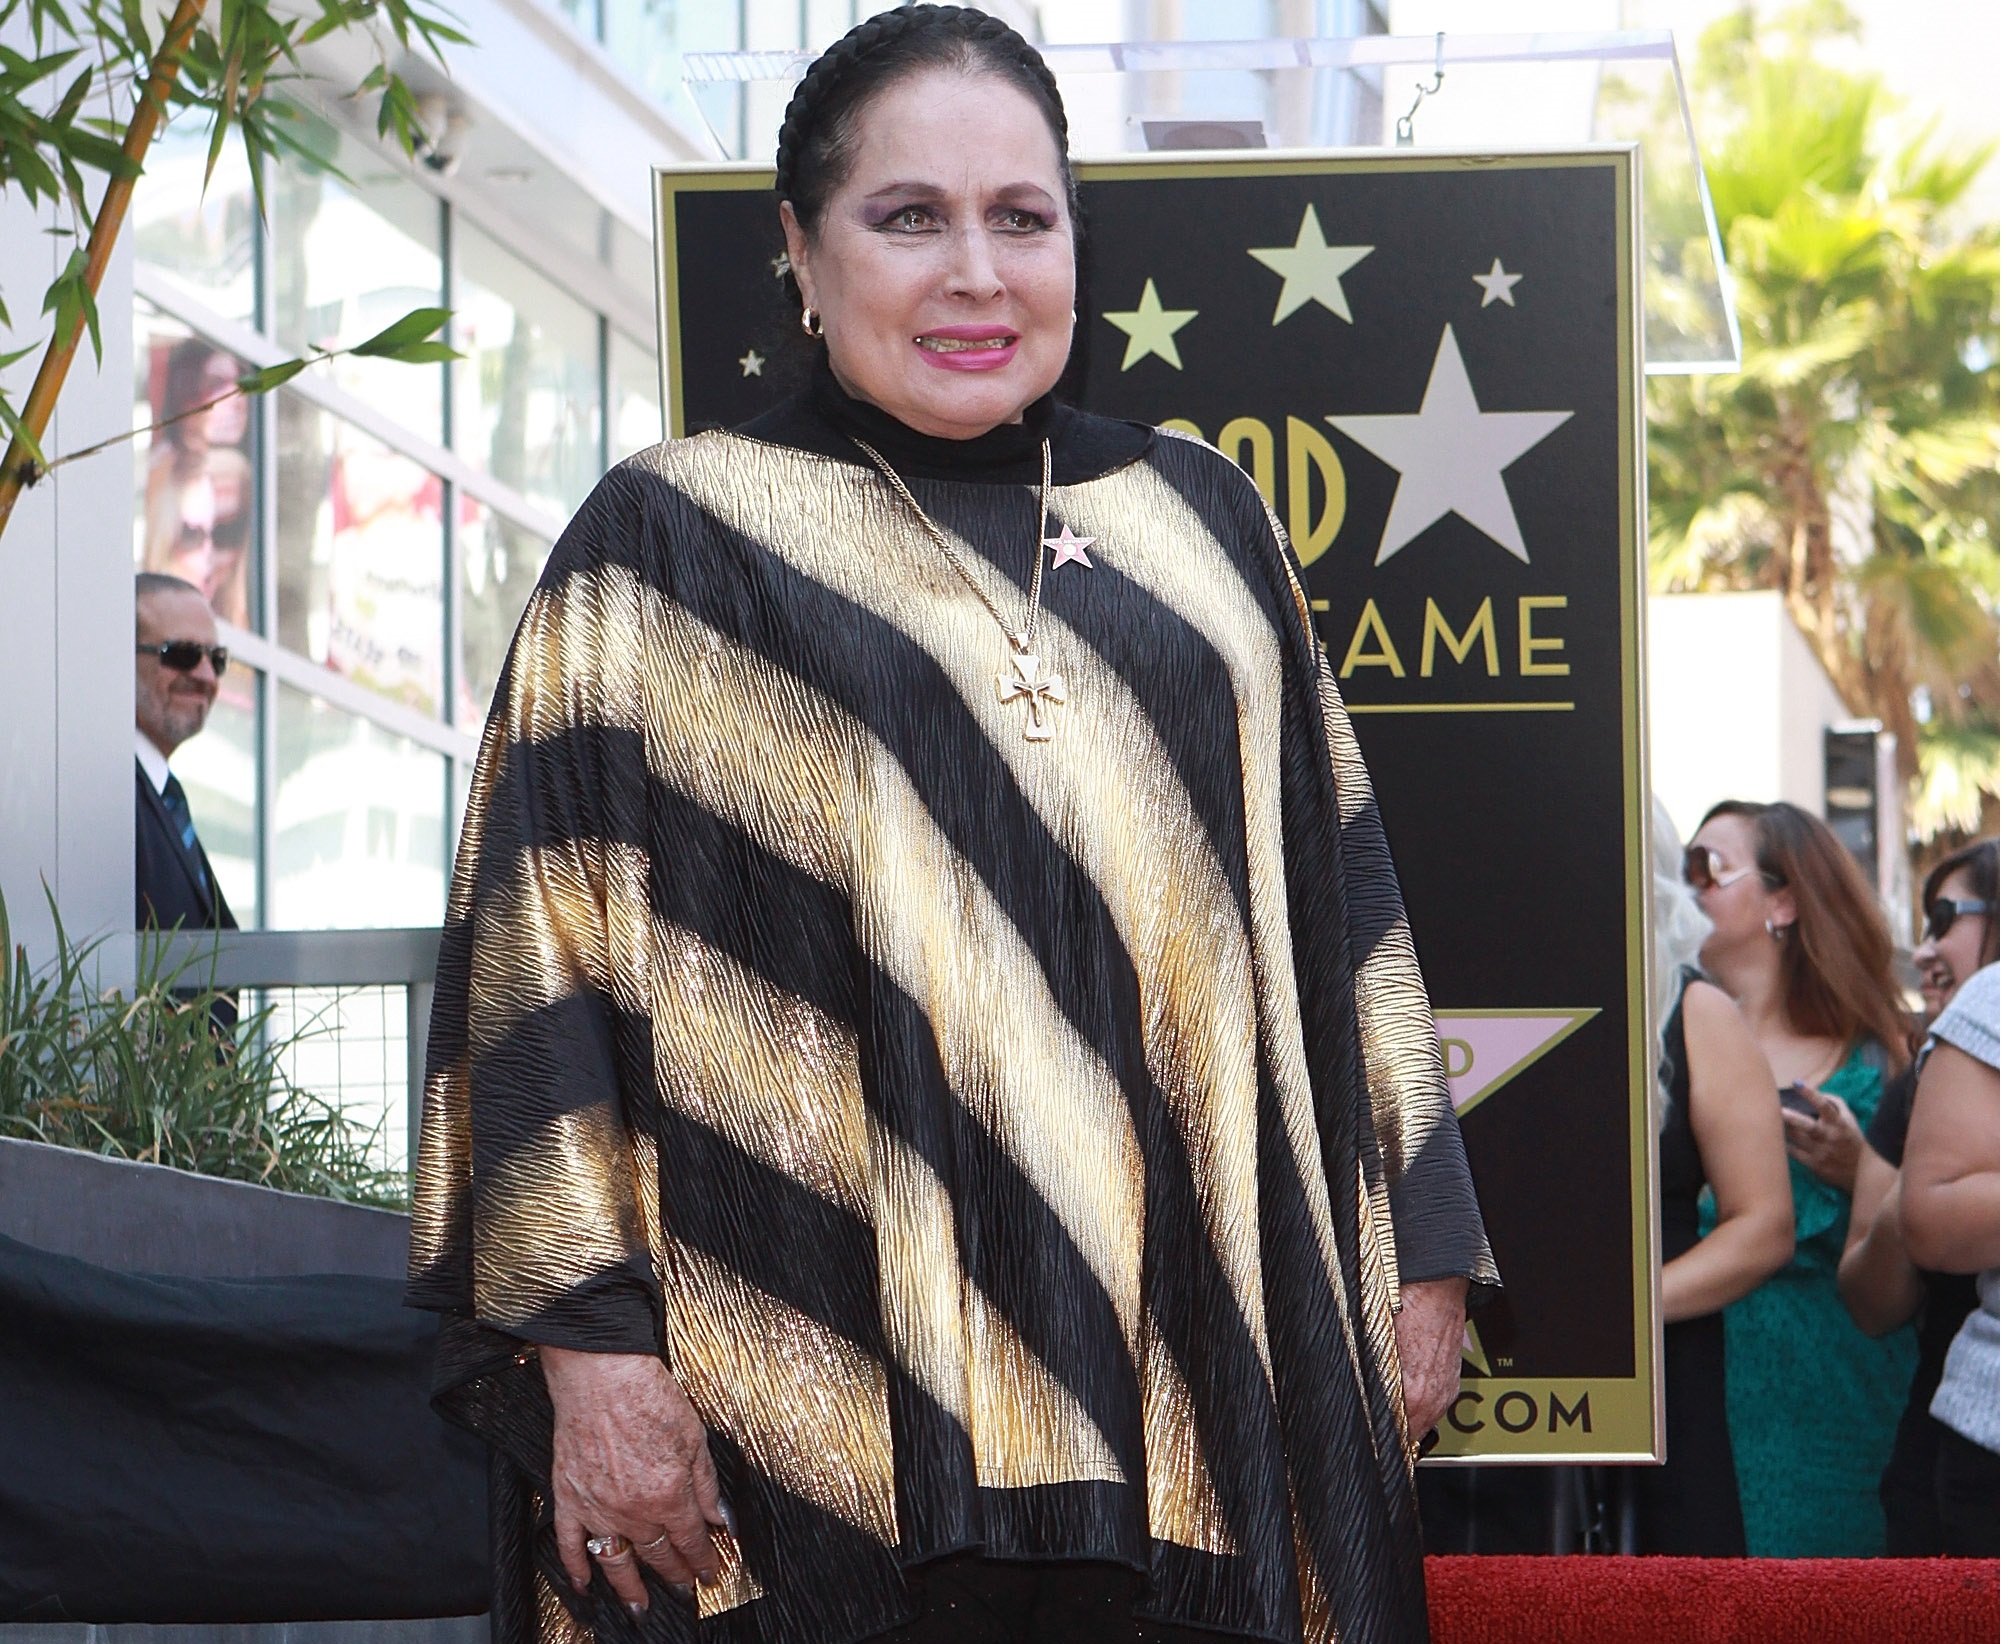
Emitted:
<point x="178" y="665"/>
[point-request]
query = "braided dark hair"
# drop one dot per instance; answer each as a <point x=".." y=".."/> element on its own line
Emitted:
<point x="817" y="132"/>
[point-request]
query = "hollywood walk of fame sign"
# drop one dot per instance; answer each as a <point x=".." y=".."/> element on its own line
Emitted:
<point x="1430" y="365"/>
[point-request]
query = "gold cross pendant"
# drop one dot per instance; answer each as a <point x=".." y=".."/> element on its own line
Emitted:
<point x="1025" y="681"/>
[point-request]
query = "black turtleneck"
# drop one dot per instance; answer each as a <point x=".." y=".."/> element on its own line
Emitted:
<point x="826" y="420"/>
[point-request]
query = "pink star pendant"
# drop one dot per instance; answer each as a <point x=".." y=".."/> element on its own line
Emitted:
<point x="1066" y="546"/>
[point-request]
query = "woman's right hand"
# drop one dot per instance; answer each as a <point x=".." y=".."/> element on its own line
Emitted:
<point x="629" y="1457"/>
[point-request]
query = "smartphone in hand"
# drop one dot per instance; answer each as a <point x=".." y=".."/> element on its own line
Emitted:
<point x="1796" y="1098"/>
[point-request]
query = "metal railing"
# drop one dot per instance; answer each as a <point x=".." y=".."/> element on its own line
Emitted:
<point x="336" y="1010"/>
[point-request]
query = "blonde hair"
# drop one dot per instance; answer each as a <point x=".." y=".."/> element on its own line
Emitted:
<point x="1679" y="927"/>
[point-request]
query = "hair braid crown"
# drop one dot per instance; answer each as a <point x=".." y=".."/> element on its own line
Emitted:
<point x="826" y="75"/>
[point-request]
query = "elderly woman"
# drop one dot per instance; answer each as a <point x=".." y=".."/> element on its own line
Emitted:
<point x="932" y="1110"/>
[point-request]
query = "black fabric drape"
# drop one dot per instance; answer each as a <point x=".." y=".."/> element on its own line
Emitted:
<point x="226" y="1450"/>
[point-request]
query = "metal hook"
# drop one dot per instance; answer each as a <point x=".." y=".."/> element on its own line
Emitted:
<point x="1404" y="128"/>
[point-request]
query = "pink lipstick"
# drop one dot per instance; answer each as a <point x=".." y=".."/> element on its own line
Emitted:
<point x="968" y="347"/>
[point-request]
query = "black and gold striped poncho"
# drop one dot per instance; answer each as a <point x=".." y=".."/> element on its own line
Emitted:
<point x="1008" y="1144"/>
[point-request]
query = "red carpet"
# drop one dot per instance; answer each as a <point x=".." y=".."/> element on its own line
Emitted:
<point x="1714" y="1601"/>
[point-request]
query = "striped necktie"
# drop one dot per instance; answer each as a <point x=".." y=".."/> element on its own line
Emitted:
<point x="184" y="822"/>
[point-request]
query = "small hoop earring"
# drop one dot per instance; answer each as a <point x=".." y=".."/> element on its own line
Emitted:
<point x="1775" y="931"/>
<point x="812" y="323"/>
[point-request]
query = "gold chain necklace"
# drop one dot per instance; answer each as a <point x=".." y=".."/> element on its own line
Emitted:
<point x="1027" y="679"/>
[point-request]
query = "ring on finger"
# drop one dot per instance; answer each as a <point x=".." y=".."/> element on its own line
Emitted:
<point x="609" y="1547"/>
<point x="656" y="1545"/>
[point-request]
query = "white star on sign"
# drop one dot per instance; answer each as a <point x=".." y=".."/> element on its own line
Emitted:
<point x="1451" y="456"/>
<point x="1498" y="285"/>
<point x="1068" y="547"/>
<point x="750" y="363"/>
<point x="1310" y="269"/>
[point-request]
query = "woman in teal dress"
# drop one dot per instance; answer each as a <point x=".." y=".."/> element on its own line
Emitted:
<point x="1802" y="947"/>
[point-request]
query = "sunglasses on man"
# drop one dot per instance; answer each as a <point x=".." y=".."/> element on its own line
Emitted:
<point x="1946" y="911"/>
<point x="184" y="656"/>
<point x="1703" y="867"/>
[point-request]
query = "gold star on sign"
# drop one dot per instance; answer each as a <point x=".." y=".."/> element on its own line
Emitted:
<point x="1151" y="327"/>
<point x="1310" y="269"/>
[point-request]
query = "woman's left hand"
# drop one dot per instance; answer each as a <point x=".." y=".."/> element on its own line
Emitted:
<point x="1830" y="1143"/>
<point x="1429" y="1340"/>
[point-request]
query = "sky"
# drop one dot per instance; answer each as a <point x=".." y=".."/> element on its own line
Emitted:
<point x="1936" y="54"/>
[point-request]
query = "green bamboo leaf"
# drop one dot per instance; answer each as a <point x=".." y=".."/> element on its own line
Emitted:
<point x="73" y="99"/>
<point x="87" y="300"/>
<point x="423" y="353"/>
<point x="419" y="323"/>
<point x="33" y="73"/>
<point x="15" y="429"/>
<point x="102" y="154"/>
<point x="263" y="381"/>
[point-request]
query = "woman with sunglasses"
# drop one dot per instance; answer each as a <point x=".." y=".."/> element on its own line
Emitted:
<point x="1716" y="1134"/>
<point x="1950" y="1216"/>
<point x="1800" y="945"/>
<point x="1882" y="1288"/>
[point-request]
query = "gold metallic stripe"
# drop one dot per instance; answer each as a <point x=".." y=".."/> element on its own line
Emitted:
<point x="1398" y="1045"/>
<point x="444" y="1142"/>
<point x="572" y="912"/>
<point x="766" y="1070"/>
<point x="1321" y="1619"/>
<point x="734" y="1584"/>
<point x="1185" y="1507"/>
<point x="807" y="1406"/>
<point x="924" y="914"/>
<point x="554" y="1209"/>
<point x="1025" y="1426"/>
<point x="920" y="1273"/>
<point x="1185" y="568"/>
<point x="1145" y="849"/>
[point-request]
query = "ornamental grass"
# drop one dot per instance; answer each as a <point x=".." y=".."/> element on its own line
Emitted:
<point x="145" y="1074"/>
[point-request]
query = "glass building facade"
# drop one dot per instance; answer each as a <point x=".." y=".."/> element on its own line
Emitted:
<point x="372" y="530"/>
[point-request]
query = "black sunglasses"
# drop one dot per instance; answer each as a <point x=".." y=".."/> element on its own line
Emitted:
<point x="184" y="656"/>
<point x="1945" y="911"/>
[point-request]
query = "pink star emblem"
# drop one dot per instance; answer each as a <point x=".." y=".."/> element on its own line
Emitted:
<point x="1066" y="546"/>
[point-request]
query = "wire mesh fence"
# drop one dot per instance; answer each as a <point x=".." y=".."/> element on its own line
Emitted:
<point x="350" y="1047"/>
<point x="346" y="1017"/>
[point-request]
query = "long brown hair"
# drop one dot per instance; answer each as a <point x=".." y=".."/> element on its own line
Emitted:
<point x="1840" y="964"/>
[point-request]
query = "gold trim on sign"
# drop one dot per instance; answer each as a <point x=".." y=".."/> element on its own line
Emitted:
<point x="1358" y="708"/>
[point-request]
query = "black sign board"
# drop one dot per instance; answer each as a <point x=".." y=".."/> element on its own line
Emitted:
<point x="1431" y="365"/>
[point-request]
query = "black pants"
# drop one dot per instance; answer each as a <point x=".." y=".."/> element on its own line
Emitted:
<point x="972" y="1600"/>
<point x="1968" y="1483"/>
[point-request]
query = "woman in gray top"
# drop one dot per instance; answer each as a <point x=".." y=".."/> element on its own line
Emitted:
<point x="1950" y="1215"/>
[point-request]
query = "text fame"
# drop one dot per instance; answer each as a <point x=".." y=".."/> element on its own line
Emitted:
<point x="1439" y="636"/>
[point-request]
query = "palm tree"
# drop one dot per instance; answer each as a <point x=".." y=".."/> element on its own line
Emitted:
<point x="1852" y="463"/>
